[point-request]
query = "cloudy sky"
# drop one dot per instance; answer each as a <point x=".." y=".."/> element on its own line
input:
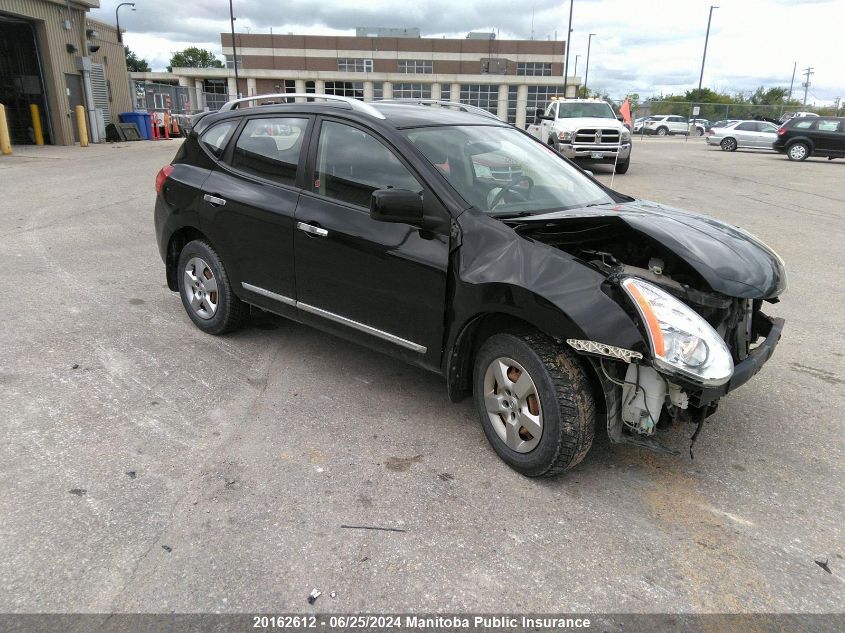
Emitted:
<point x="644" y="47"/>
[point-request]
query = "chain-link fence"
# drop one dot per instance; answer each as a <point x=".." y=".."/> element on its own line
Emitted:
<point x="715" y="111"/>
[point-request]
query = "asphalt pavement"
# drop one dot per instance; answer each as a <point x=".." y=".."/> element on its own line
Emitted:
<point x="148" y="467"/>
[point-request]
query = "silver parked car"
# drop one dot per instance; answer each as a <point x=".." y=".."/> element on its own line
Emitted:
<point x="754" y="134"/>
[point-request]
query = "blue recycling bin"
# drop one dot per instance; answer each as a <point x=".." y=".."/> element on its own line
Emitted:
<point x="141" y="119"/>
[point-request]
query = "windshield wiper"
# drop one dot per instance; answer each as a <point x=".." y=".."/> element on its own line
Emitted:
<point x="511" y="216"/>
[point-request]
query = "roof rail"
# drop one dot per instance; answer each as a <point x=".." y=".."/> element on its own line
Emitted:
<point x="442" y="102"/>
<point x="354" y="104"/>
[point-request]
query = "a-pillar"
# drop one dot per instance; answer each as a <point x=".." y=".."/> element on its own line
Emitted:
<point x="521" y="105"/>
<point x="502" y="106"/>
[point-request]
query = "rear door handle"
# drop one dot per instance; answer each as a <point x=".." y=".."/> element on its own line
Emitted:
<point x="313" y="230"/>
<point x="217" y="202"/>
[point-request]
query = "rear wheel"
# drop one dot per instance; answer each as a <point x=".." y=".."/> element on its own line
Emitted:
<point x="798" y="151"/>
<point x="728" y="144"/>
<point x="206" y="292"/>
<point x="535" y="403"/>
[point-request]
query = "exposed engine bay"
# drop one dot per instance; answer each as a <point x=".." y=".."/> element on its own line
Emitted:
<point x="640" y="399"/>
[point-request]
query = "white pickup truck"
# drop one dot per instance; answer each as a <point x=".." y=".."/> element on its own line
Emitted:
<point x="584" y="130"/>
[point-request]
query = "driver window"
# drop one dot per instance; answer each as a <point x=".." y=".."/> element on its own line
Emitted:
<point x="351" y="164"/>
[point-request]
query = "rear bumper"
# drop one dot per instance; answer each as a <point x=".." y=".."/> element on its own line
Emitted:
<point x="771" y="328"/>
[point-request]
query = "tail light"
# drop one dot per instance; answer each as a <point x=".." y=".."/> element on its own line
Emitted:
<point x="781" y="131"/>
<point x="162" y="175"/>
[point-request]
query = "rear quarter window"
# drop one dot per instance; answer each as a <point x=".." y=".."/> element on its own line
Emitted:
<point x="215" y="138"/>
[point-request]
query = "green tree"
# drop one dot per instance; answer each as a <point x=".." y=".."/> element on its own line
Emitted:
<point x="193" y="57"/>
<point x="135" y="64"/>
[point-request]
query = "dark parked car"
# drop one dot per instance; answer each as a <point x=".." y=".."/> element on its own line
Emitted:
<point x="556" y="302"/>
<point x="802" y="137"/>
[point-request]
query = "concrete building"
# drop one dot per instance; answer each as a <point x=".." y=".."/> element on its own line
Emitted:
<point x="506" y="77"/>
<point x="54" y="56"/>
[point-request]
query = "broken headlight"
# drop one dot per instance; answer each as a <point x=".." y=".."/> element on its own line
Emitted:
<point x="681" y="340"/>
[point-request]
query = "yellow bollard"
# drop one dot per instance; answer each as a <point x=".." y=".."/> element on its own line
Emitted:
<point x="83" y="128"/>
<point x="36" y="124"/>
<point x="5" y="143"/>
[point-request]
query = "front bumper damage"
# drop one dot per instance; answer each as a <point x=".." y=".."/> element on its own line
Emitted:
<point x="702" y="400"/>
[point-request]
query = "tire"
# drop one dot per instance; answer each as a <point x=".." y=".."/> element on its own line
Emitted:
<point x="562" y="408"/>
<point x="662" y="131"/>
<point x="728" y="144"/>
<point x="622" y="168"/>
<point x="699" y="131"/>
<point x="206" y="292"/>
<point x="554" y="144"/>
<point x="798" y="151"/>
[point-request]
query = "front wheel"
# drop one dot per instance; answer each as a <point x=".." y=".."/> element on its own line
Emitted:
<point x="728" y="144"/>
<point x="535" y="403"/>
<point x="662" y="131"/>
<point x="622" y="168"/>
<point x="798" y="151"/>
<point x="206" y="292"/>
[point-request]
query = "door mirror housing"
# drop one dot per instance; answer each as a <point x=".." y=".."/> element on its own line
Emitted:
<point x="397" y="205"/>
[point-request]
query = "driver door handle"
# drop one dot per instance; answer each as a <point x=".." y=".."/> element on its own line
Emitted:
<point x="312" y="230"/>
<point x="214" y="200"/>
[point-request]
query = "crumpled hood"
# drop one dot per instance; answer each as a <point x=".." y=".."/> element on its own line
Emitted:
<point x="731" y="260"/>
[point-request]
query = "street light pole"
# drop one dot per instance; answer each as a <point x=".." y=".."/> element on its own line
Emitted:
<point x="791" y="83"/>
<point x="566" y="52"/>
<point x="575" y="70"/>
<point x="234" y="50"/>
<point x="706" y="39"/>
<point x="117" y="18"/>
<point x="587" y="71"/>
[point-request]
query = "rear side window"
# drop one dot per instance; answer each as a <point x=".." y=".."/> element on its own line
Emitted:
<point x="828" y="126"/>
<point x="270" y="148"/>
<point x="748" y="126"/>
<point x="804" y="124"/>
<point x="217" y="136"/>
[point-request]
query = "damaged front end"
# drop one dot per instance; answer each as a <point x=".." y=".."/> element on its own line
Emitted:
<point x="702" y="341"/>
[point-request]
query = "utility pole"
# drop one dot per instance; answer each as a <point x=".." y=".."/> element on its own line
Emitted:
<point x="838" y="102"/>
<point x="587" y="71"/>
<point x="567" y="46"/>
<point x="794" y="66"/>
<point x="575" y="70"/>
<point x="706" y="40"/>
<point x="807" y="72"/>
<point x="234" y="51"/>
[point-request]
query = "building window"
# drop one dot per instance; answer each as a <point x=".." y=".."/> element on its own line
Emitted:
<point x="230" y="61"/>
<point x="354" y="89"/>
<point x="539" y="97"/>
<point x="411" y="91"/>
<point x="216" y="93"/>
<point x="512" y="90"/>
<point x="416" y="66"/>
<point x="354" y="65"/>
<point x="534" y="69"/>
<point x="481" y="96"/>
<point x="378" y="91"/>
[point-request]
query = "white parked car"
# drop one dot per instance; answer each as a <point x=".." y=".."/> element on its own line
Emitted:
<point x="667" y="124"/>
<point x="755" y="134"/>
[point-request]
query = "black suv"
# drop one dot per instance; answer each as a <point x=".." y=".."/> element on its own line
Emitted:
<point x="556" y="302"/>
<point x="802" y="137"/>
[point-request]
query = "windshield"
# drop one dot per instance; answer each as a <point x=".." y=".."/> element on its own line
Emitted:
<point x="501" y="171"/>
<point x="583" y="110"/>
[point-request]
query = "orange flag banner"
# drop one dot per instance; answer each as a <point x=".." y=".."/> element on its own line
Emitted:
<point x="625" y="111"/>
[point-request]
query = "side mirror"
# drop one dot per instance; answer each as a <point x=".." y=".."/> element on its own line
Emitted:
<point x="396" y="205"/>
<point x="547" y="117"/>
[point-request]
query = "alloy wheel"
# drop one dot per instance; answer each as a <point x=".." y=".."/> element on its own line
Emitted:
<point x="201" y="288"/>
<point x="798" y="152"/>
<point x="513" y="405"/>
